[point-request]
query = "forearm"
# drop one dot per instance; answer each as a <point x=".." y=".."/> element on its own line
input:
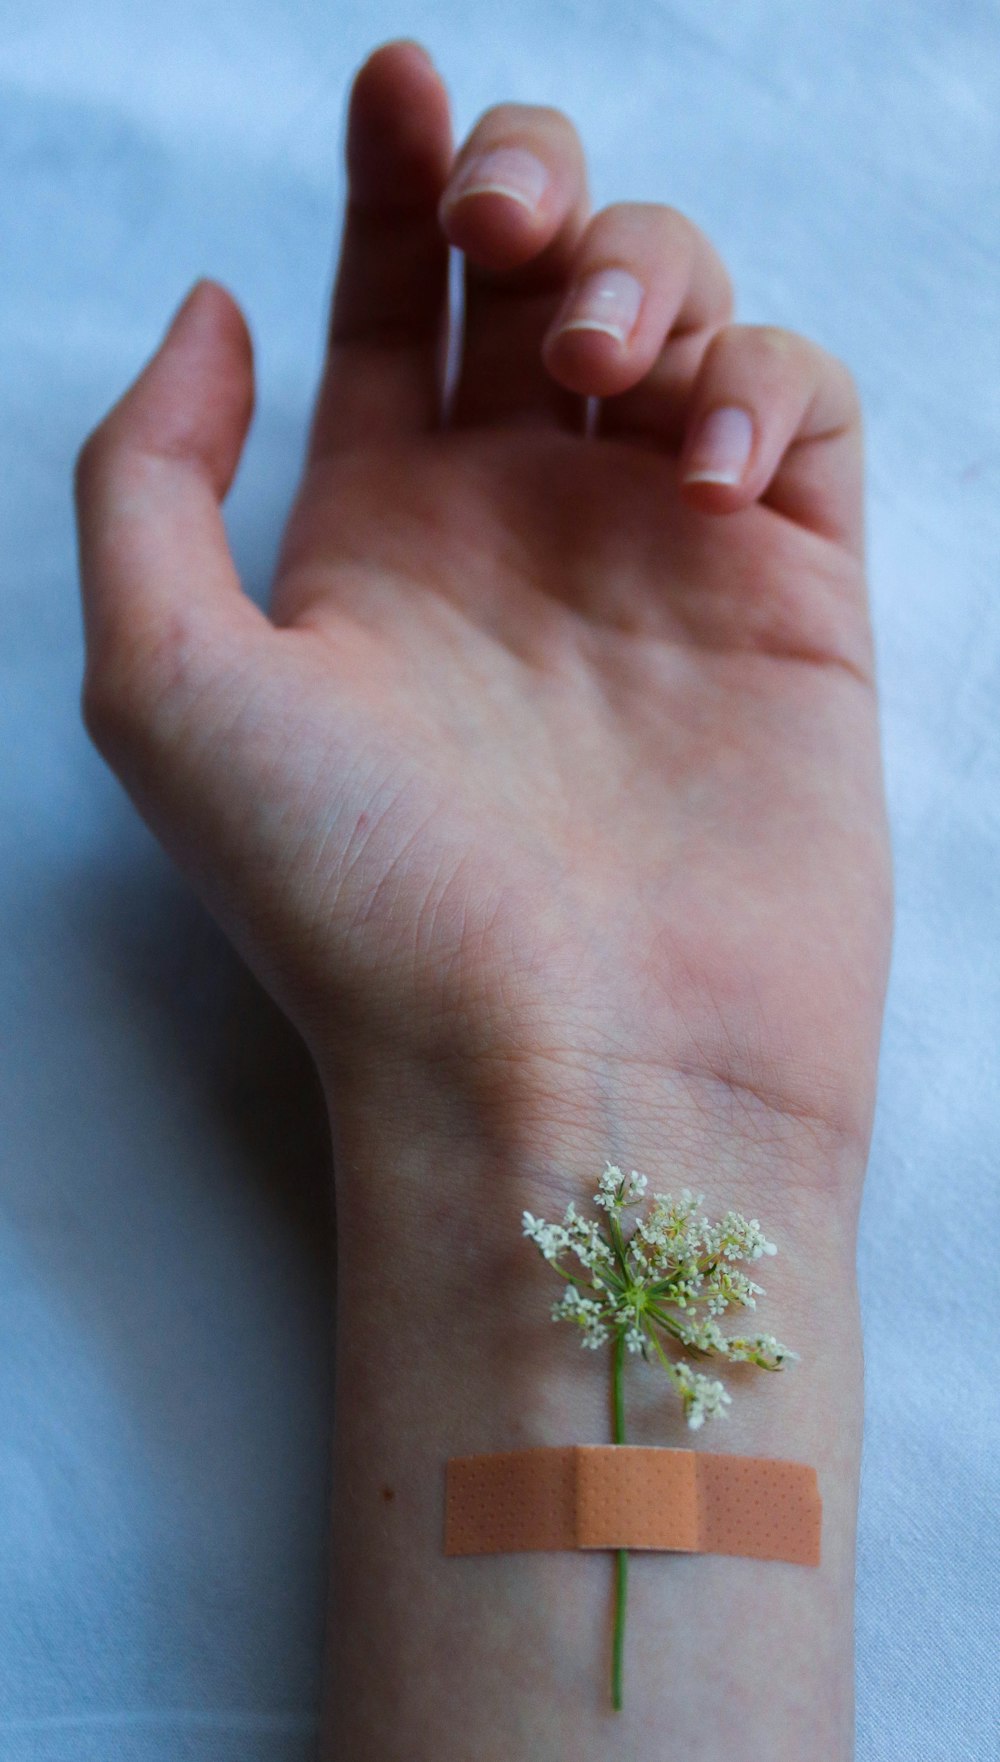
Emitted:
<point x="444" y="1348"/>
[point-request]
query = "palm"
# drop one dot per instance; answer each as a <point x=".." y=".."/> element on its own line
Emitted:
<point x="571" y="726"/>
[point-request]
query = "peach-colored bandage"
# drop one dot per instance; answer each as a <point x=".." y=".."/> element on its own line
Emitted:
<point x="629" y="1496"/>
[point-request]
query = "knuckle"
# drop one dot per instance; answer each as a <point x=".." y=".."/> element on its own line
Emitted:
<point x="509" y="123"/>
<point x="135" y="682"/>
<point x="775" y="357"/>
<point x="771" y="342"/>
<point x="110" y="706"/>
<point x="550" y="116"/>
<point x="631" y="217"/>
<point x="674" y="223"/>
<point x="847" y="388"/>
<point x="801" y="355"/>
<point x="91" y="460"/>
<point x="763" y="349"/>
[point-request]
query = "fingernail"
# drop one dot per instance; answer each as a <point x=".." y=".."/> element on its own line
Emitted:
<point x="507" y="171"/>
<point x="721" y="447"/>
<point x="609" y="300"/>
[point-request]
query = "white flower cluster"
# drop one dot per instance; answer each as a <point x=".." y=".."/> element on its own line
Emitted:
<point x="672" y="1276"/>
<point x="574" y="1306"/>
<point x="577" y="1234"/>
<point x="703" y="1397"/>
<point x="615" y="1189"/>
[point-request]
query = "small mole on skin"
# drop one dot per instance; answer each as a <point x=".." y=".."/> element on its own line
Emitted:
<point x="388" y="1494"/>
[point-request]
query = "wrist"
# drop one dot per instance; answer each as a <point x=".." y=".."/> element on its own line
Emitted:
<point x="483" y="1135"/>
<point x="433" y="1177"/>
<point x="445" y="1347"/>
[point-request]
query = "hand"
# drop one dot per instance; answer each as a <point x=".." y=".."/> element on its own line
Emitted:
<point x="555" y="754"/>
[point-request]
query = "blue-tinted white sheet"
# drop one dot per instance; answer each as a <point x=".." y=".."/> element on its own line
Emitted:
<point x="165" y="1265"/>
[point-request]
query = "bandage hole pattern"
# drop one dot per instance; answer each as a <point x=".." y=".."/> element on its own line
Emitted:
<point x="608" y="1496"/>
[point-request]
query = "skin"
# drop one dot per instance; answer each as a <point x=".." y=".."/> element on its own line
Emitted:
<point x="546" y="798"/>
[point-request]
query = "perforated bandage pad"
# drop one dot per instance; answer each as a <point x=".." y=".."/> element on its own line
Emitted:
<point x="630" y="1496"/>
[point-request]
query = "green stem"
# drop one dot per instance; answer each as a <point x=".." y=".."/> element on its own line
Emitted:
<point x="668" y="1322"/>
<point x="618" y="1244"/>
<point x="618" y="1387"/>
<point x="670" y="1369"/>
<point x="621" y="1561"/>
<point x="581" y="1284"/>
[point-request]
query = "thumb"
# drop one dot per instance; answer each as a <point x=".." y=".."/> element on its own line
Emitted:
<point x="157" y="576"/>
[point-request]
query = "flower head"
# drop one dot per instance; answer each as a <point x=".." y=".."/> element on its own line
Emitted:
<point x="666" y="1282"/>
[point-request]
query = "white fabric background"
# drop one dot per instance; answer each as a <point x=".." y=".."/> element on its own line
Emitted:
<point x="164" y="1241"/>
